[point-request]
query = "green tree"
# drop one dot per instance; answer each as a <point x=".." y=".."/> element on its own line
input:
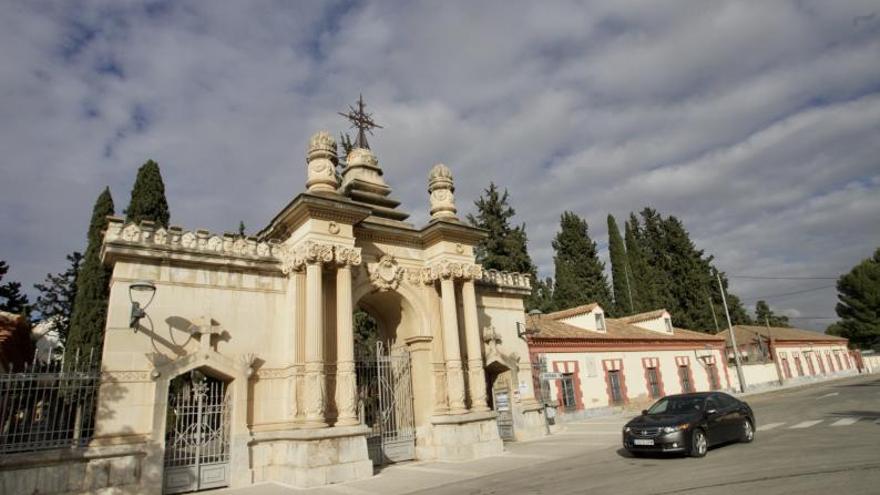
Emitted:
<point x="765" y="316"/>
<point x="241" y="229"/>
<point x="506" y="247"/>
<point x="542" y="296"/>
<point x="620" y="278"/>
<point x="579" y="275"/>
<point x="646" y="285"/>
<point x="148" y="196"/>
<point x="858" y="294"/>
<point x="57" y="294"/>
<point x="11" y="298"/>
<point x="93" y="288"/>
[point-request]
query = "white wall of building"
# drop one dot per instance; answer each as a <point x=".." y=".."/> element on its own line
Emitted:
<point x="591" y="373"/>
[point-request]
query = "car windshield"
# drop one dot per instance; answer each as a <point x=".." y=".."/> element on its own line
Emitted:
<point x="676" y="405"/>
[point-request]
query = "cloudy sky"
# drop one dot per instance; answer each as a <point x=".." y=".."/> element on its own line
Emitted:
<point x="756" y="123"/>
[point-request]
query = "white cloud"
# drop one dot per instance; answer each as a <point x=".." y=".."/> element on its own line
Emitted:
<point x="754" y="123"/>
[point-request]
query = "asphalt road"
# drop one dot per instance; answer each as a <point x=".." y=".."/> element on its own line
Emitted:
<point x="823" y="438"/>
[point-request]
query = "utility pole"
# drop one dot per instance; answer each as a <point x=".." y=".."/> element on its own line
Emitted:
<point x="739" y="371"/>
<point x="712" y="307"/>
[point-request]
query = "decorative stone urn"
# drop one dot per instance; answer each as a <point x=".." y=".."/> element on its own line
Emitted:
<point x="321" y="160"/>
<point x="441" y="188"/>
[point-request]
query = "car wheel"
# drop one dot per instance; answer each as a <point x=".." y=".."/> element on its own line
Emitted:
<point x="699" y="443"/>
<point x="748" y="432"/>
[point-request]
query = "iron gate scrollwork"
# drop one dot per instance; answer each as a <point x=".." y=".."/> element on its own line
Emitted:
<point x="385" y="401"/>
<point x="197" y="435"/>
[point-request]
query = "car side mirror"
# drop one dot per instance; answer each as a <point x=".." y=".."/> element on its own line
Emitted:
<point x="644" y="412"/>
<point x="710" y="412"/>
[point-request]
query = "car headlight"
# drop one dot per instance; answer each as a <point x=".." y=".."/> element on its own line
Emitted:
<point x="627" y="429"/>
<point x="673" y="429"/>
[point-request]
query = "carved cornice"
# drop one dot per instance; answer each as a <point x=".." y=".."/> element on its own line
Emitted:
<point x="146" y="234"/>
<point x="306" y="206"/>
<point x="446" y="270"/>
<point x="506" y="280"/>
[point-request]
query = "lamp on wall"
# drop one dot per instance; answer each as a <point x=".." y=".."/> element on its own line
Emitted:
<point x="139" y="290"/>
<point x="521" y="330"/>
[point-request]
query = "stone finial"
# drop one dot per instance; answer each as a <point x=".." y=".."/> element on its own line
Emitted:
<point x="321" y="162"/>
<point x="362" y="164"/>
<point x="441" y="188"/>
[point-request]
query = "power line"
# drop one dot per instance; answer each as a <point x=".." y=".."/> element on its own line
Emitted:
<point x="757" y="277"/>
<point x="777" y="296"/>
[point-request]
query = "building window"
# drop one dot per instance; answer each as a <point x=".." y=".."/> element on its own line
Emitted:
<point x="614" y="383"/>
<point x="798" y="365"/>
<point x="809" y="359"/>
<point x="568" y="399"/>
<point x="600" y="322"/>
<point x="830" y="363"/>
<point x="839" y="362"/>
<point x="668" y="322"/>
<point x="684" y="376"/>
<point x="654" y="383"/>
<point x="786" y="368"/>
<point x="714" y="382"/>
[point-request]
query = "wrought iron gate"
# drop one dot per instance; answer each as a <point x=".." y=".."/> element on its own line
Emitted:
<point x="197" y="437"/>
<point x="385" y="401"/>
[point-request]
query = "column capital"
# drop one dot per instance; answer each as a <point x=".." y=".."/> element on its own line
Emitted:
<point x="347" y="255"/>
<point x="294" y="258"/>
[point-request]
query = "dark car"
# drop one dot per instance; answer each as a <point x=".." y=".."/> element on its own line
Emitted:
<point x="689" y="424"/>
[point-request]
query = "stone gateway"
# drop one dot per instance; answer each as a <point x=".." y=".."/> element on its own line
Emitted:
<point x="245" y="368"/>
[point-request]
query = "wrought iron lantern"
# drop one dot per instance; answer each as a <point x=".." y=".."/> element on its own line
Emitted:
<point x="137" y="292"/>
<point x="522" y="331"/>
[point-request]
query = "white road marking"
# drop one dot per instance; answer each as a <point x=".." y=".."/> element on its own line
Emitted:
<point x="805" y="424"/>
<point x="769" y="426"/>
<point x="832" y="394"/>
<point x="845" y="421"/>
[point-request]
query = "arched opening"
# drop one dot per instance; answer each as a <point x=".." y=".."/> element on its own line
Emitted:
<point x="382" y="321"/>
<point x="499" y="382"/>
<point x="197" y="424"/>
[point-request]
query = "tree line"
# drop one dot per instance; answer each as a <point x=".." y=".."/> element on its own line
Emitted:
<point x="654" y="264"/>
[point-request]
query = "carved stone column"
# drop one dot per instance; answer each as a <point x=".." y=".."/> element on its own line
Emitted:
<point x="452" y="347"/>
<point x="346" y="383"/>
<point x="476" y="374"/>
<point x="316" y="387"/>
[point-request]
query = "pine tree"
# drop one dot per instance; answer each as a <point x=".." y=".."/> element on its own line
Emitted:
<point x="93" y="288"/>
<point x="11" y="298"/>
<point x="580" y="275"/>
<point x="148" y="196"/>
<point x="57" y="295"/>
<point x="620" y="278"/>
<point x="765" y="316"/>
<point x="241" y="229"/>
<point x="505" y="248"/>
<point x="858" y="293"/>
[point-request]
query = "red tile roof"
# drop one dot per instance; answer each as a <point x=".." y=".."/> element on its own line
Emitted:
<point x="575" y="311"/>
<point x="548" y="328"/>
<point x="746" y="333"/>
<point x="650" y="315"/>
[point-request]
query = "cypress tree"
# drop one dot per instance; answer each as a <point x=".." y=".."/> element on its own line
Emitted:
<point x="620" y="271"/>
<point x="148" y="196"/>
<point x="580" y="275"/>
<point x="57" y="295"/>
<point x="858" y="294"/>
<point x="93" y="288"/>
<point x="645" y="283"/>
<point x="542" y="296"/>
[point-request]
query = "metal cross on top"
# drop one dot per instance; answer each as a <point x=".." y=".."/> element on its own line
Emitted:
<point x="363" y="121"/>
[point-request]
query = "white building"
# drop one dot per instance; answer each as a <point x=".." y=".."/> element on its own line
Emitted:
<point x="596" y="363"/>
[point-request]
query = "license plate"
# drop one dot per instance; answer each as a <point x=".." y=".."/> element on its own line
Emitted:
<point x="640" y="441"/>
